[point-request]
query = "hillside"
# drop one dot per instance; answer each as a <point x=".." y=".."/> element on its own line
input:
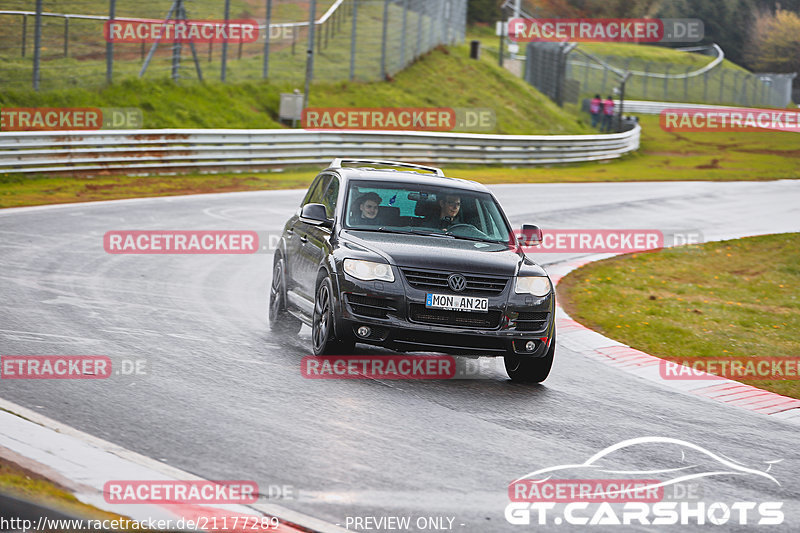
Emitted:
<point x="444" y="77"/>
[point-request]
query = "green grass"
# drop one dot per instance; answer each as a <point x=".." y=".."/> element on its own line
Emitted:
<point x="442" y="78"/>
<point x="733" y="298"/>
<point x="22" y="483"/>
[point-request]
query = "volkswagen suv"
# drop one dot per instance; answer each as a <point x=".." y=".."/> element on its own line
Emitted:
<point x="400" y="256"/>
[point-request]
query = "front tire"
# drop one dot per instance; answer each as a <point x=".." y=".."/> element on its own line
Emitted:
<point x="280" y="320"/>
<point x="323" y="334"/>
<point x="524" y="369"/>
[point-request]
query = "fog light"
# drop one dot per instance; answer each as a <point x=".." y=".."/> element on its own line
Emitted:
<point x="364" y="331"/>
<point x="530" y="346"/>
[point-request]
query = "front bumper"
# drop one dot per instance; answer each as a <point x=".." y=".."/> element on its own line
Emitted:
<point x="397" y="318"/>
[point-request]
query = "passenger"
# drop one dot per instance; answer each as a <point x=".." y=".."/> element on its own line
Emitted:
<point x="367" y="213"/>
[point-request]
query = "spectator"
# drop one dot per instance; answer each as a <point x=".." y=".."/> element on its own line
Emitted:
<point x="608" y="114"/>
<point x="595" y="107"/>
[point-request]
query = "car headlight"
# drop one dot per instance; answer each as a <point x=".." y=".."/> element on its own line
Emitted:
<point x="368" y="270"/>
<point x="535" y="285"/>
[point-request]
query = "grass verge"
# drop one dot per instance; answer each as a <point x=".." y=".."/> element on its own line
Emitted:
<point x="724" y="299"/>
<point x="22" y="483"/>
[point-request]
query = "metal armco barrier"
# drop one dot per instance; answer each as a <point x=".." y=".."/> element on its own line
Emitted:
<point x="153" y="151"/>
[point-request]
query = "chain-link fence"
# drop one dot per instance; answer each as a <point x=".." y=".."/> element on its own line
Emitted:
<point x="670" y="82"/>
<point x="65" y="46"/>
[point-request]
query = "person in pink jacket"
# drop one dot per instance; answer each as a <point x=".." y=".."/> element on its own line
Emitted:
<point x="608" y="114"/>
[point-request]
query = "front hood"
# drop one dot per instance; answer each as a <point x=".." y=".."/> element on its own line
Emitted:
<point x="438" y="253"/>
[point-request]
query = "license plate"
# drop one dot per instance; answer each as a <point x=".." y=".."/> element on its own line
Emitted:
<point x="457" y="303"/>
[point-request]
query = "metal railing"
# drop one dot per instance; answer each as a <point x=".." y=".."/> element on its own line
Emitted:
<point x="360" y="40"/>
<point x="153" y="151"/>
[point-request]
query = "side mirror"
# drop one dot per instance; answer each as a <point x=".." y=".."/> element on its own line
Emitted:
<point x="531" y="235"/>
<point x="316" y="215"/>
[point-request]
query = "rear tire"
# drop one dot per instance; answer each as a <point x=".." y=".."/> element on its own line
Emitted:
<point x="323" y="334"/>
<point x="523" y="369"/>
<point x="280" y="320"/>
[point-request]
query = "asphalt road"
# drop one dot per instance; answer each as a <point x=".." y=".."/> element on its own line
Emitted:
<point x="224" y="398"/>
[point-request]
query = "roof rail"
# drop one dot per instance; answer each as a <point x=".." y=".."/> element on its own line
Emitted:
<point x="338" y="162"/>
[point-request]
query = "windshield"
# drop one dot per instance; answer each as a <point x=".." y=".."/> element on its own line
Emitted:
<point x="412" y="208"/>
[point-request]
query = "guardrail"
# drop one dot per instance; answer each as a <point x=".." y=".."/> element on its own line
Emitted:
<point x="150" y="151"/>
<point x="645" y="107"/>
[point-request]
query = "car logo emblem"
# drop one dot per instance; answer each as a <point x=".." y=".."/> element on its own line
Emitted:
<point x="457" y="282"/>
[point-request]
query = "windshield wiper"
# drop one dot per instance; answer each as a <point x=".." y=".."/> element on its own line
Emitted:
<point x="384" y="229"/>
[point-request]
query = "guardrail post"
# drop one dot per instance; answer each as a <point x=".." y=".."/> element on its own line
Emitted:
<point x="37" y="44"/>
<point x="353" y="38"/>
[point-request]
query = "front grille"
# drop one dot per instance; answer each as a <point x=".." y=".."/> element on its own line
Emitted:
<point x="437" y="280"/>
<point x="420" y="313"/>
<point x="369" y="306"/>
<point x="532" y="321"/>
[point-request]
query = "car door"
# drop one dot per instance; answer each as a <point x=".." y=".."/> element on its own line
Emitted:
<point x="297" y="237"/>
<point x="317" y="244"/>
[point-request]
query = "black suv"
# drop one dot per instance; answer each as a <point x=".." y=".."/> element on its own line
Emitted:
<point x="413" y="261"/>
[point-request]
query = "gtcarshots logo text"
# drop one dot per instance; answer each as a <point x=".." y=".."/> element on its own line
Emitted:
<point x="550" y="496"/>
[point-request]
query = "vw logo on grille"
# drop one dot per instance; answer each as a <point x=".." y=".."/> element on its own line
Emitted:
<point x="457" y="282"/>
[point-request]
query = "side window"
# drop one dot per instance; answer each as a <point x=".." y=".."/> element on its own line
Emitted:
<point x="331" y="196"/>
<point x="314" y="195"/>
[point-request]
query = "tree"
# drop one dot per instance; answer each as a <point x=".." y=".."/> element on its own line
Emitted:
<point x="483" y="11"/>
<point x="775" y="42"/>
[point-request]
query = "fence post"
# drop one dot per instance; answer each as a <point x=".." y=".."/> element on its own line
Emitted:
<point x="705" y="86"/>
<point x="353" y="38"/>
<point x="418" y="49"/>
<point x="112" y="5"/>
<point x="312" y="17"/>
<point x="24" y="32"/>
<point x="646" y="78"/>
<point x="176" y="46"/>
<point x="605" y="79"/>
<point x="265" y="74"/>
<point x="37" y="44"/>
<point x="225" y="42"/>
<point x="686" y="83"/>
<point x="403" y="36"/>
<point x="66" y="36"/>
<point x="722" y="85"/>
<point x="383" y="38"/>
<point x="666" y="81"/>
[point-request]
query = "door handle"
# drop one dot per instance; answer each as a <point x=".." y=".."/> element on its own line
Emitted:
<point x="290" y="230"/>
<point x="304" y="239"/>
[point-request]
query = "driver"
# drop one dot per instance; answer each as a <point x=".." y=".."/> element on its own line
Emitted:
<point x="449" y="206"/>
